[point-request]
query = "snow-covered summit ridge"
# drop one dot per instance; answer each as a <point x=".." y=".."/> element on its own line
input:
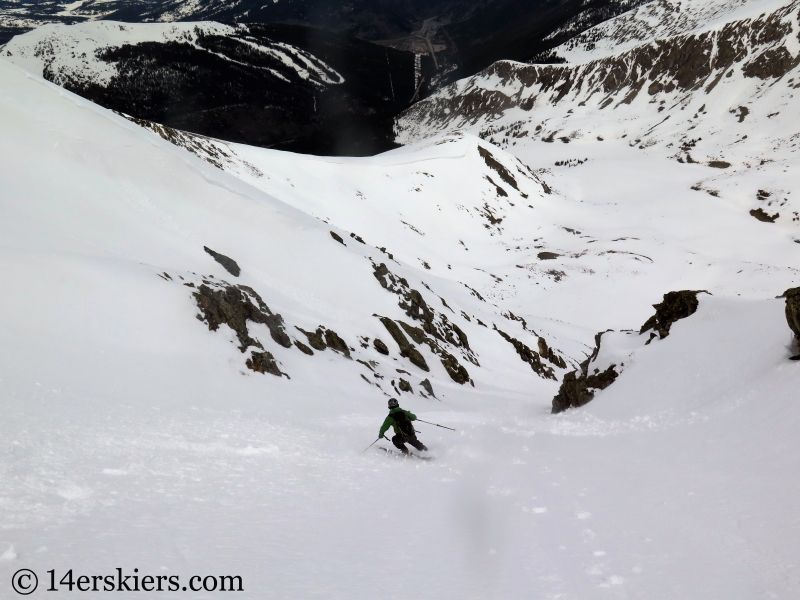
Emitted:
<point x="70" y="53"/>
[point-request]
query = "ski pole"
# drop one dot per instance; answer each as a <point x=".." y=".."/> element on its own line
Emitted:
<point x="372" y="444"/>
<point x="436" y="424"/>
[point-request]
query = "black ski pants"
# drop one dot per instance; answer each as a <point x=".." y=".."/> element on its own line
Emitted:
<point x="400" y="440"/>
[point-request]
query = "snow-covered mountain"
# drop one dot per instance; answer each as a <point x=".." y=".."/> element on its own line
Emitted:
<point x="665" y="19"/>
<point x="521" y="29"/>
<point x="714" y="85"/>
<point x="199" y="339"/>
<point x="474" y="33"/>
<point x="267" y="85"/>
<point x="469" y="35"/>
<point x="19" y="16"/>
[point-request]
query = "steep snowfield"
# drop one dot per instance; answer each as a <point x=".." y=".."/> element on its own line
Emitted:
<point x="596" y="251"/>
<point x="135" y="437"/>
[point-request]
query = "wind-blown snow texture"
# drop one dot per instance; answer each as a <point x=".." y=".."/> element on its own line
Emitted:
<point x="136" y="437"/>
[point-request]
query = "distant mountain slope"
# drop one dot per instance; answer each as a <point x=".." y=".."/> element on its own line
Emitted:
<point x="269" y="85"/>
<point x="369" y="19"/>
<point x="474" y="33"/>
<point x="690" y="81"/>
<point x="658" y="20"/>
<point x="708" y="96"/>
<point x="471" y="34"/>
<point x="521" y="29"/>
<point x="19" y="16"/>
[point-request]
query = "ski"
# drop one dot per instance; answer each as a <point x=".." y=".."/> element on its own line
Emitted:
<point x="400" y="454"/>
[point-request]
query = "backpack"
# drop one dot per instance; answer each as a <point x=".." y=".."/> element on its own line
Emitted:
<point x="403" y="423"/>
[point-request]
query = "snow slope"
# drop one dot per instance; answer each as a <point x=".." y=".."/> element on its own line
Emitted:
<point x="135" y="437"/>
<point x="590" y="252"/>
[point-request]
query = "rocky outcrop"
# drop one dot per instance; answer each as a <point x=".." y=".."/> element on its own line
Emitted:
<point x="546" y="351"/>
<point x="227" y="263"/>
<point x="322" y="339"/>
<point x="415" y="333"/>
<point x="496" y="166"/>
<point x="264" y="362"/>
<point x="578" y="389"/>
<point x="455" y="369"/>
<point x="303" y="348"/>
<point x="213" y="151"/>
<point x="380" y="347"/>
<point x="233" y="306"/>
<point x="407" y="349"/>
<point x="761" y="215"/>
<point x="425" y="384"/>
<point x="435" y="331"/>
<point x="336" y="343"/>
<point x="432" y="322"/>
<point x="792" y="296"/>
<point x="316" y="339"/>
<point x="674" y="307"/>
<point x="529" y="356"/>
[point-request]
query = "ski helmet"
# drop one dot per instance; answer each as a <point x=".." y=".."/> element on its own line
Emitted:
<point x="393" y="403"/>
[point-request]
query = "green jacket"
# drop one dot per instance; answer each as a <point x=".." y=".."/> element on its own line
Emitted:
<point x="390" y="422"/>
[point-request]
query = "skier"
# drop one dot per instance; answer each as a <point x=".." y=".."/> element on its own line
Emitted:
<point x="404" y="431"/>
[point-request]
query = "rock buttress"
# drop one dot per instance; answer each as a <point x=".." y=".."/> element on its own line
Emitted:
<point x="407" y="349"/>
<point x="529" y="356"/>
<point x="577" y="390"/>
<point x="578" y="387"/>
<point x="232" y="305"/>
<point x="792" y="296"/>
<point x="264" y="362"/>
<point x="228" y="263"/>
<point x="674" y="307"/>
